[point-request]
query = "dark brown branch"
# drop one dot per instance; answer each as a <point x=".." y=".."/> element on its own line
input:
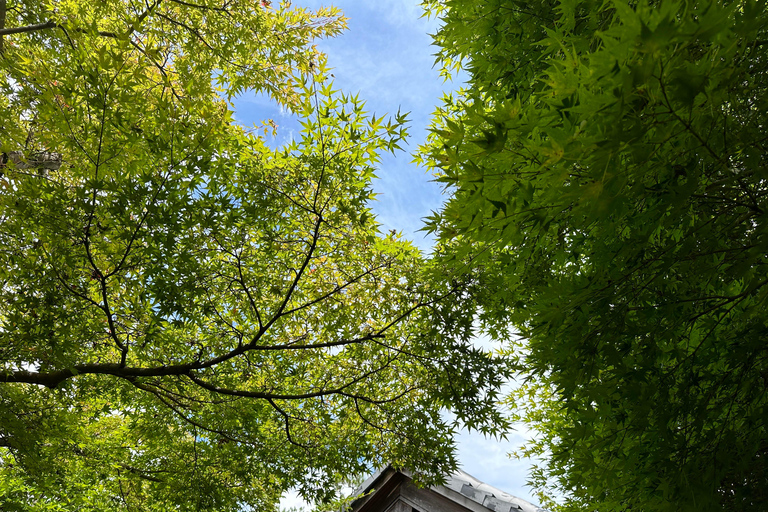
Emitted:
<point x="27" y="28"/>
<point x="286" y="418"/>
<point x="183" y="416"/>
<point x="153" y="201"/>
<point x="141" y="473"/>
<point x="338" y="289"/>
<point x="3" y="10"/>
<point x="50" y="24"/>
<point x="328" y="344"/>
<point x="383" y="400"/>
<point x="54" y="378"/>
<point x="299" y="273"/>
<point x="277" y="396"/>
<point x="189" y="29"/>
<point x="247" y="291"/>
<point x="97" y="272"/>
<point x="135" y="25"/>
<point x="369" y="422"/>
<point x="203" y="7"/>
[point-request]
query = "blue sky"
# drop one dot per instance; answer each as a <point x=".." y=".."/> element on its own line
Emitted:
<point x="386" y="56"/>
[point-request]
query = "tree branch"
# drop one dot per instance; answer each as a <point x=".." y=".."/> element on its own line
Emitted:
<point x="203" y="7"/>
<point x="54" y="378"/>
<point x="277" y="396"/>
<point x="3" y="10"/>
<point x="286" y="418"/>
<point x="51" y="24"/>
<point x="27" y="28"/>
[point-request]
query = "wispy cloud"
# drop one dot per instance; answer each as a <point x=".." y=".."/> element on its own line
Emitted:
<point x="387" y="57"/>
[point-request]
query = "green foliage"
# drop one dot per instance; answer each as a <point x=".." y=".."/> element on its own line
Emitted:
<point x="608" y="169"/>
<point x="190" y="320"/>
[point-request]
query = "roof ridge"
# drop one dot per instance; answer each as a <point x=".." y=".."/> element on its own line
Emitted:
<point x="487" y="495"/>
<point x="466" y="485"/>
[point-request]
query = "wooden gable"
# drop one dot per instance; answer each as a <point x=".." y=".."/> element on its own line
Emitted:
<point x="394" y="491"/>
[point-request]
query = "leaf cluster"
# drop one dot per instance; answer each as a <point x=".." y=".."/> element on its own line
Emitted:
<point x="608" y="176"/>
<point x="190" y="320"/>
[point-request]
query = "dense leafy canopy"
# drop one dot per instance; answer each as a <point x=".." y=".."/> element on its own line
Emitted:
<point x="610" y="190"/>
<point x="190" y="320"/>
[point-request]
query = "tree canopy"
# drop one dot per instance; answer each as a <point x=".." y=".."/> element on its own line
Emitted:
<point x="607" y="161"/>
<point x="190" y="320"/>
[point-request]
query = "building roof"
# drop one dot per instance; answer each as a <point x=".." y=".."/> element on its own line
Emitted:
<point x="462" y="489"/>
<point x="488" y="496"/>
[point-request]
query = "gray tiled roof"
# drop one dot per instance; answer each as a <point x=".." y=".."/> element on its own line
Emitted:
<point x="469" y="487"/>
<point x="487" y="495"/>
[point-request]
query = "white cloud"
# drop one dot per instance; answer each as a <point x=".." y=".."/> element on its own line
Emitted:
<point x="292" y="500"/>
<point x="387" y="57"/>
